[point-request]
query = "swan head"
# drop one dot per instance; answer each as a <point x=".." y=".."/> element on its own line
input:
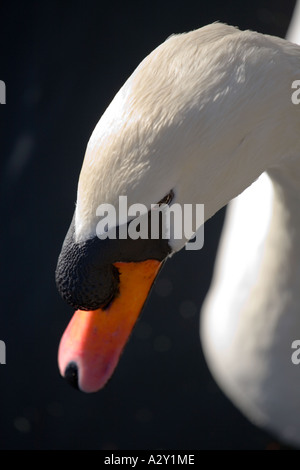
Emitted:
<point x="171" y="134"/>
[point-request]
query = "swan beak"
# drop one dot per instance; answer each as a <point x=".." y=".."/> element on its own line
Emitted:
<point x="92" y="343"/>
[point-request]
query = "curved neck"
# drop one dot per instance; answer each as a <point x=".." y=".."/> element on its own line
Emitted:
<point x="256" y="128"/>
<point x="278" y="283"/>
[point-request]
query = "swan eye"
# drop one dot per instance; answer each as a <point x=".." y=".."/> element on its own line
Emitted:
<point x="167" y="199"/>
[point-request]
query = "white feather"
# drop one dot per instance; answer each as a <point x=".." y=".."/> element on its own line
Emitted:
<point x="174" y="124"/>
<point x="252" y="312"/>
<point x="205" y="114"/>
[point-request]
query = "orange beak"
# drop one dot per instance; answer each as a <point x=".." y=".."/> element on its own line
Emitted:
<point x="92" y="343"/>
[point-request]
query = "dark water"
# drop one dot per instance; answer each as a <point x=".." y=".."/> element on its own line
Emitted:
<point x="62" y="63"/>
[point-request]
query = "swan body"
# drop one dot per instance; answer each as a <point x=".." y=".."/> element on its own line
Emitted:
<point x="203" y="116"/>
<point x="251" y="314"/>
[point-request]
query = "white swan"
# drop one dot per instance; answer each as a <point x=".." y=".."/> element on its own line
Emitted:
<point x="251" y="314"/>
<point x="201" y="118"/>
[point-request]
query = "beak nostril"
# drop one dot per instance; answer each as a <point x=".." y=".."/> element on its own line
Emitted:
<point x="71" y="375"/>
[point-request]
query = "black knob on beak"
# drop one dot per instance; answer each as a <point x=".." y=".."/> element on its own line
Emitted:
<point x="84" y="281"/>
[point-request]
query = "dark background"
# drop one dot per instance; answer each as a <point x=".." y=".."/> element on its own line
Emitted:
<point x="62" y="63"/>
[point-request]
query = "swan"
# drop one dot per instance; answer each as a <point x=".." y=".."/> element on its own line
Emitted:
<point x="250" y="316"/>
<point x="200" y="119"/>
